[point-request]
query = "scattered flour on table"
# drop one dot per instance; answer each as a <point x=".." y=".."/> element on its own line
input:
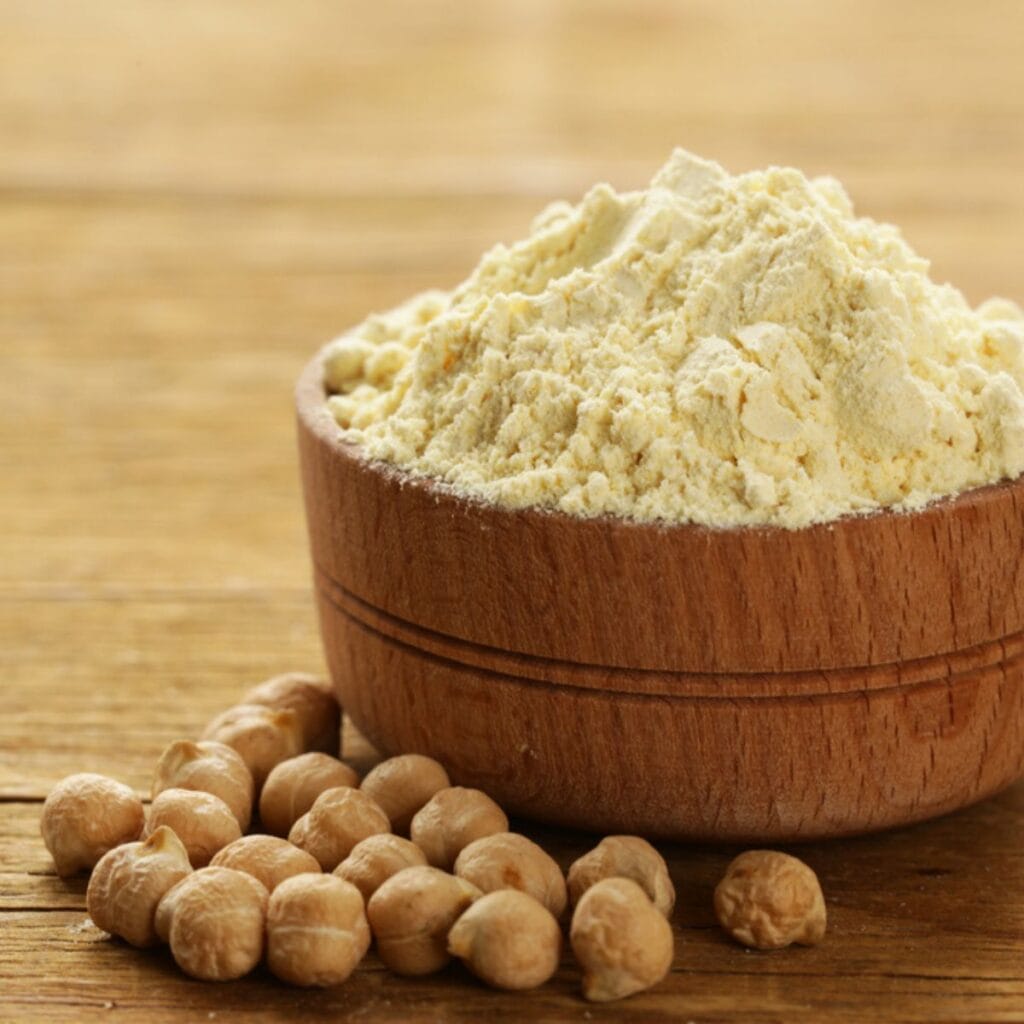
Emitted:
<point x="714" y="349"/>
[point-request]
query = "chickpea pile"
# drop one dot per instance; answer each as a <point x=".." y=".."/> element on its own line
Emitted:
<point x="261" y="846"/>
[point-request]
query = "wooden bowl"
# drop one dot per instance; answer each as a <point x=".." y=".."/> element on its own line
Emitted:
<point x="742" y="684"/>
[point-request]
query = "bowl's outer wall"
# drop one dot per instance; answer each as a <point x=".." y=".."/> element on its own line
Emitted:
<point x="721" y="770"/>
<point x="748" y="684"/>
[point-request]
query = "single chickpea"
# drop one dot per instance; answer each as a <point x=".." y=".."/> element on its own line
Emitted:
<point x="624" y="857"/>
<point x="621" y="940"/>
<point x="316" y="930"/>
<point x="403" y="784"/>
<point x="202" y="821"/>
<point x="131" y="880"/>
<point x="207" y="768"/>
<point x="508" y="939"/>
<point x="375" y="859"/>
<point x="216" y="923"/>
<point x="264" y="737"/>
<point x="338" y="819"/>
<point x="508" y="860"/>
<point x="313" y="701"/>
<point x="411" y="914"/>
<point x="268" y="859"/>
<point x="86" y="815"/>
<point x="451" y="819"/>
<point x="769" y="900"/>
<point x="293" y="786"/>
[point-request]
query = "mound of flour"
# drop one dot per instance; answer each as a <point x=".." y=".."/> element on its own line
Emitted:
<point x="714" y="349"/>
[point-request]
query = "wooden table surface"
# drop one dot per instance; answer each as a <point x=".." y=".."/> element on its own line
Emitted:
<point x="193" y="196"/>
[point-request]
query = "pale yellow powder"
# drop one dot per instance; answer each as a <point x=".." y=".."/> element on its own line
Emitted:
<point x="714" y="349"/>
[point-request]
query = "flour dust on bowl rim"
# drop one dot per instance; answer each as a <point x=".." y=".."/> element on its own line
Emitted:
<point x="755" y="684"/>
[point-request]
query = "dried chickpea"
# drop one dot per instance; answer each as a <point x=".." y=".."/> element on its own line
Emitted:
<point x="208" y="768"/>
<point x="768" y="900"/>
<point x="313" y="701"/>
<point x="338" y="819"/>
<point x="293" y="786"/>
<point x="451" y="819"/>
<point x="375" y="859"/>
<point x="264" y="737"/>
<point x="403" y="784"/>
<point x="202" y="821"/>
<point x="411" y="914"/>
<point x="624" y="857"/>
<point x="216" y="923"/>
<point x="508" y="860"/>
<point x="131" y="880"/>
<point x="86" y="815"/>
<point x="316" y="930"/>
<point x="621" y="940"/>
<point x="268" y="859"/>
<point x="508" y="939"/>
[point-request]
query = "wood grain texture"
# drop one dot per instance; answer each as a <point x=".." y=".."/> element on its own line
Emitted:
<point x="193" y="197"/>
<point x="755" y="684"/>
<point x="710" y="769"/>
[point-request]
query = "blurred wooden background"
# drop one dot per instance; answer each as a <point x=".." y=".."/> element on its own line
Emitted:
<point x="194" y="195"/>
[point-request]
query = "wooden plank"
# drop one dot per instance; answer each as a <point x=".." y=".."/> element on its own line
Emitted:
<point x="492" y="96"/>
<point x="326" y="261"/>
<point x="104" y="685"/>
<point x="918" y="924"/>
<point x="78" y="974"/>
<point x="154" y="242"/>
<point x="135" y="400"/>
